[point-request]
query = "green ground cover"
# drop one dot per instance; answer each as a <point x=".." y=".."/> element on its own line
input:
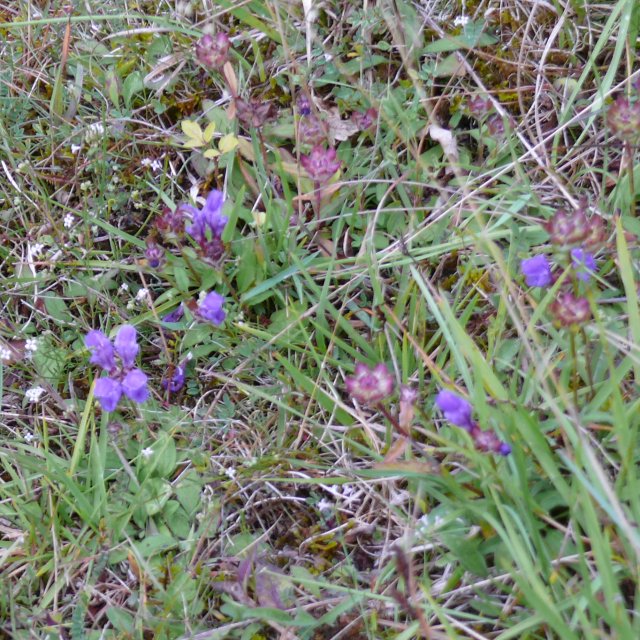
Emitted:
<point x="376" y="264"/>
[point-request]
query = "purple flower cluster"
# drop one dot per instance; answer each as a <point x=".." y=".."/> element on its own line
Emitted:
<point x="118" y="361"/>
<point x="207" y="225"/>
<point x="373" y="385"/>
<point x="458" y="411"/>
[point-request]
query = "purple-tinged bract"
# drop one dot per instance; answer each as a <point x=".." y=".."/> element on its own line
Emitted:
<point x="213" y="51"/>
<point x="321" y="164"/>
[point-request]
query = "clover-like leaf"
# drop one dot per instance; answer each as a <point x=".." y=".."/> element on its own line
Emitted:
<point x="211" y="153"/>
<point x="208" y="132"/>
<point x="194" y="133"/>
<point x="228" y="143"/>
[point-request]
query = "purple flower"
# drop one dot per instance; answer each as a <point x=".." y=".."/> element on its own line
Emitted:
<point x="208" y="218"/>
<point x="108" y="392"/>
<point x="101" y="349"/>
<point x="536" y="271"/>
<point x="154" y="254"/>
<point x="370" y="385"/>
<point x="121" y="378"/>
<point x="176" y="382"/>
<point x="175" y="315"/>
<point x="126" y="344"/>
<point x="134" y="386"/>
<point x="584" y="263"/>
<point x="210" y="309"/>
<point x="455" y="409"/>
<point x="458" y="411"/>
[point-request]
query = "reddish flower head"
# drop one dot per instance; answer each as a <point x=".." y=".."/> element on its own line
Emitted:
<point x="569" y="310"/>
<point x="321" y="164"/>
<point x="624" y="120"/>
<point x="370" y="385"/>
<point x="213" y="51"/>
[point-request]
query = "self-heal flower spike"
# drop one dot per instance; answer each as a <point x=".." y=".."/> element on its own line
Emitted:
<point x="321" y="164"/>
<point x="624" y="120"/>
<point x="536" y="271"/>
<point x="208" y="219"/>
<point x="568" y="310"/>
<point x="370" y="385"/>
<point x="122" y="377"/>
<point x="458" y="411"/>
<point x="455" y="409"/>
<point x="583" y="263"/>
<point x="210" y="309"/>
<point x="213" y="51"/>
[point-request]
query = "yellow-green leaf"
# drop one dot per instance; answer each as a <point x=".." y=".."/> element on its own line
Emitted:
<point x="193" y="144"/>
<point x="227" y="143"/>
<point x="191" y="129"/>
<point x="209" y="131"/>
<point x="211" y="153"/>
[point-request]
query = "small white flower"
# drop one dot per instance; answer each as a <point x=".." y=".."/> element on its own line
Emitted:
<point x="461" y="21"/>
<point x="130" y="305"/>
<point x="36" y="249"/>
<point x="5" y="354"/>
<point x="94" y="229"/>
<point x="17" y="201"/>
<point x="94" y="131"/>
<point x="324" y="505"/>
<point x="68" y="221"/>
<point x="142" y="294"/>
<point x="124" y="287"/>
<point x="75" y="148"/>
<point x="146" y="453"/>
<point x="31" y="344"/>
<point x="22" y="165"/>
<point x="155" y="165"/>
<point x="28" y="437"/>
<point x="348" y="490"/>
<point x="85" y="186"/>
<point x="34" y="394"/>
<point x="230" y="472"/>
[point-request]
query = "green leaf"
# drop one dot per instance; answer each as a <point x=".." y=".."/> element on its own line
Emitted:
<point x="132" y="85"/>
<point x="121" y="620"/>
<point x="181" y="275"/>
<point x="57" y="309"/>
